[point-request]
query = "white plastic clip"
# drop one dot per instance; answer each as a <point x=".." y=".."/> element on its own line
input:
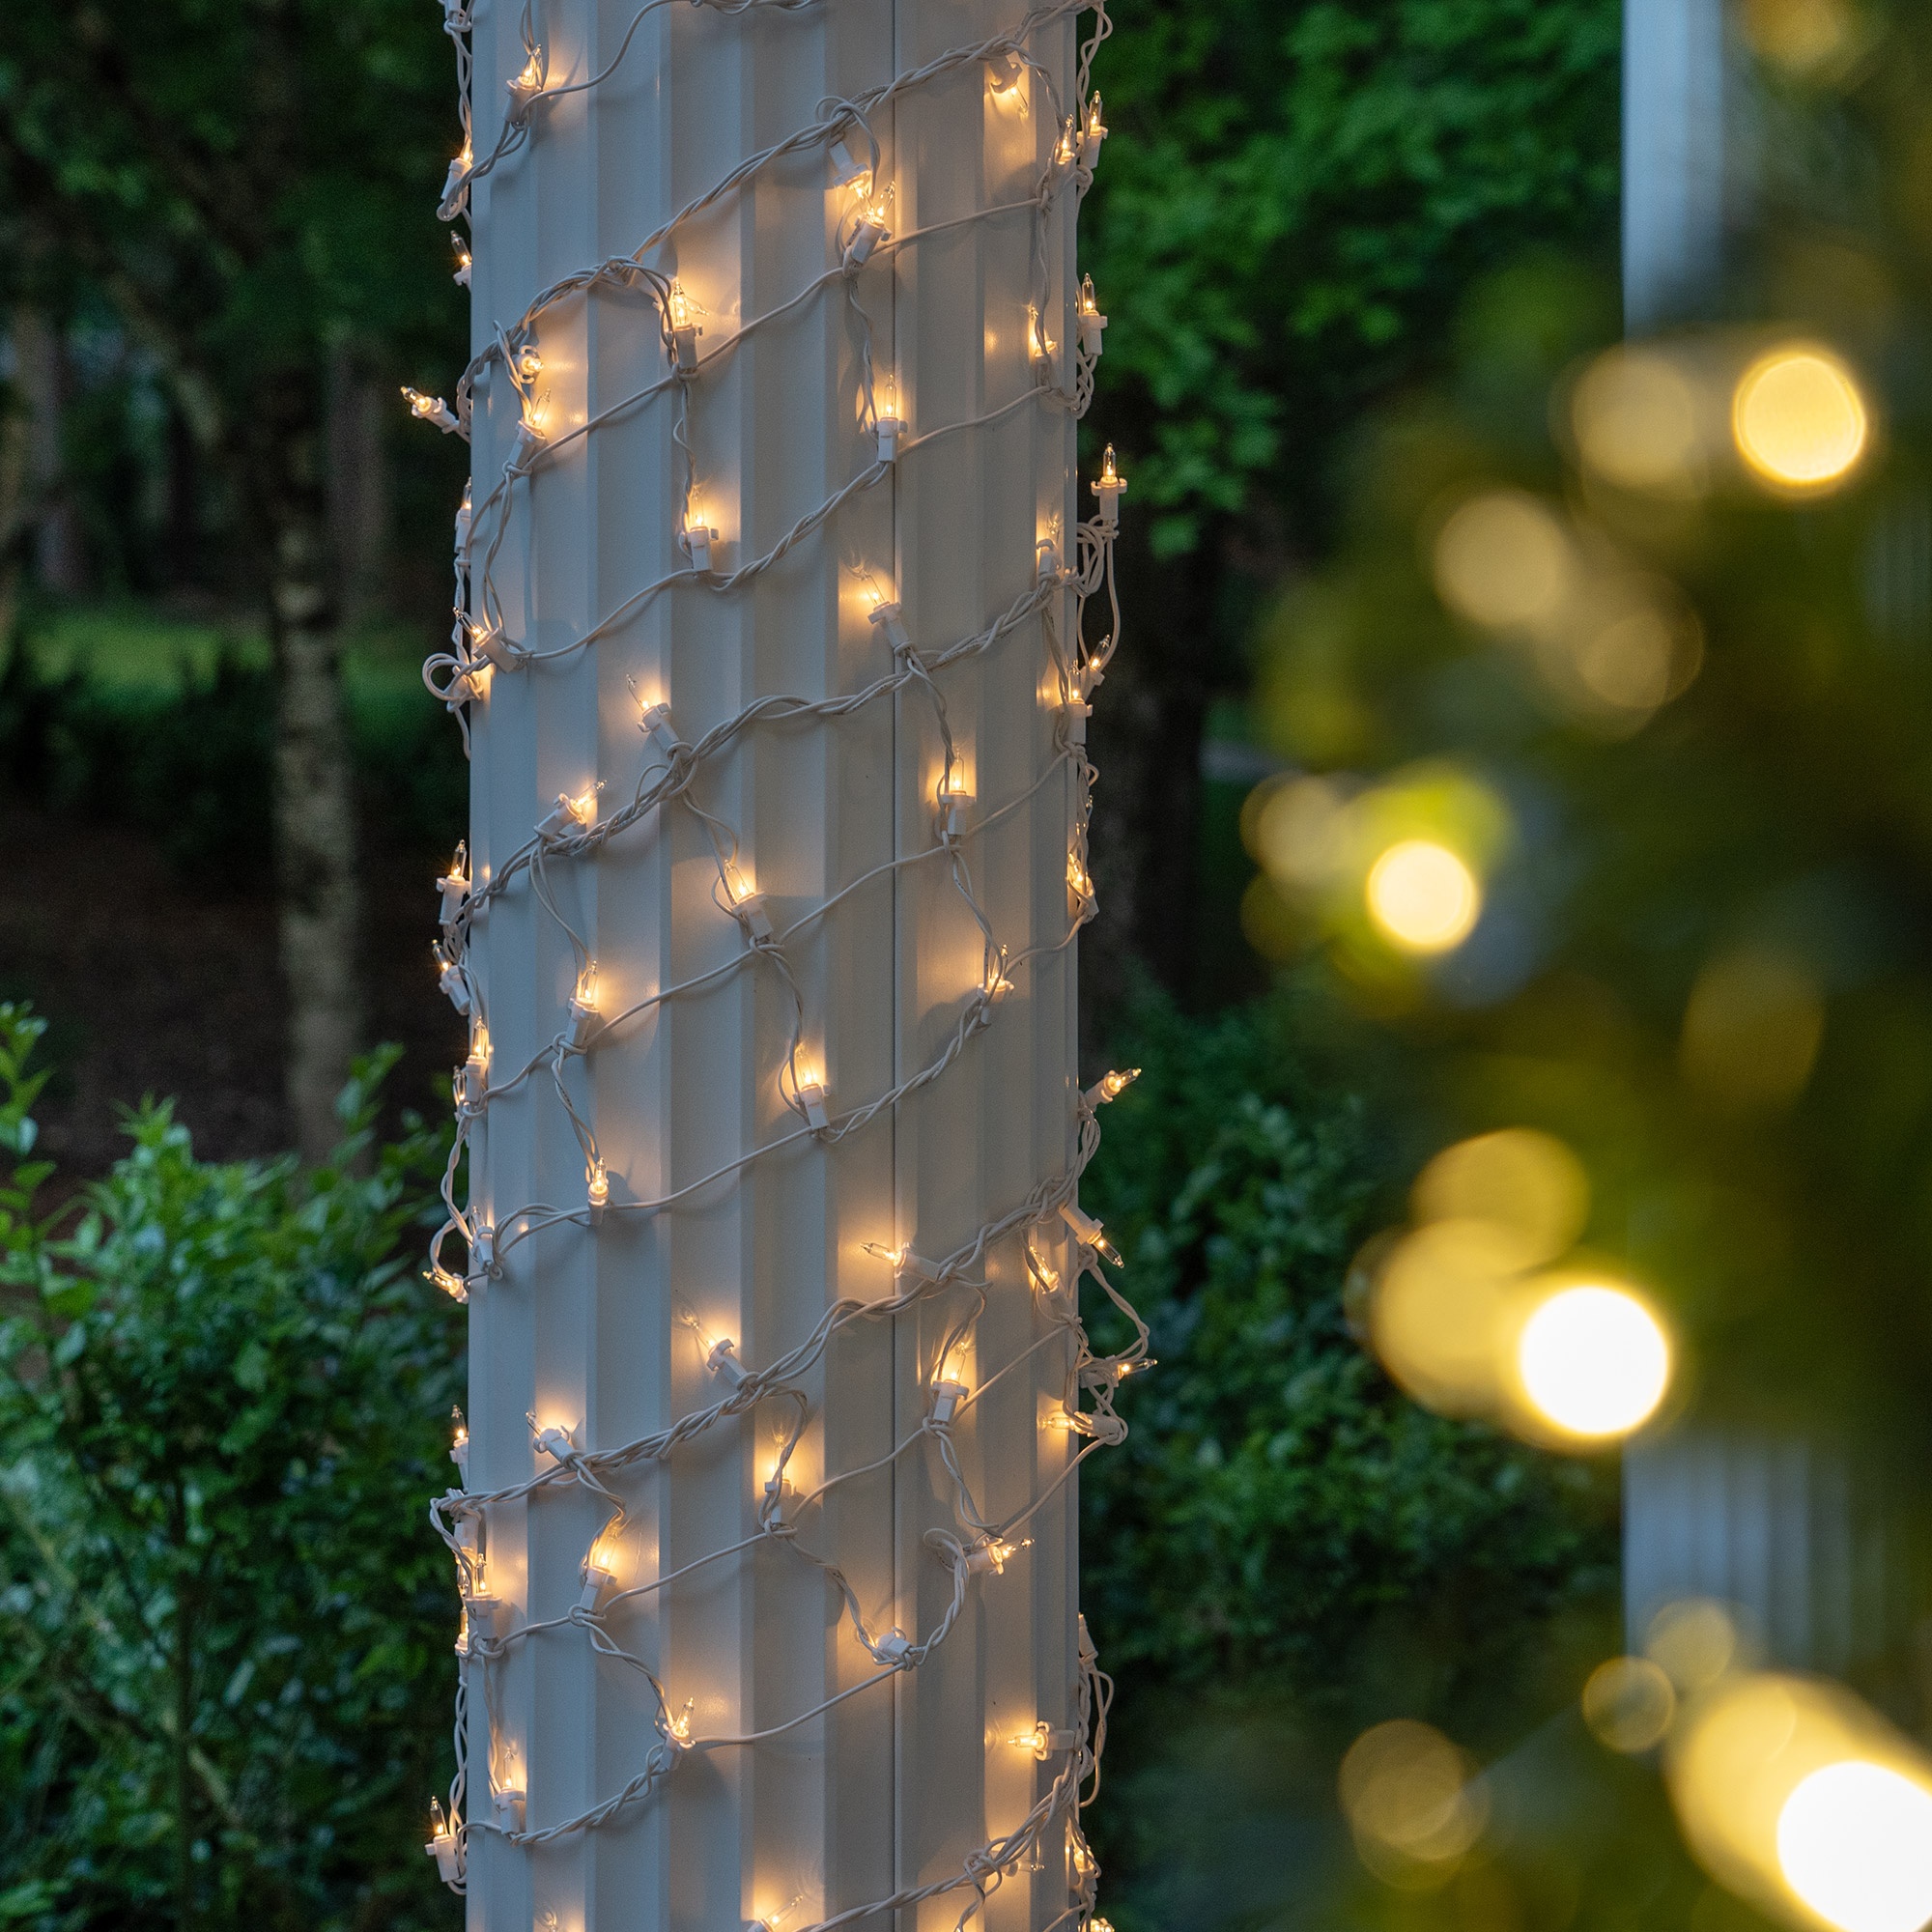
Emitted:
<point x="889" y="618"/>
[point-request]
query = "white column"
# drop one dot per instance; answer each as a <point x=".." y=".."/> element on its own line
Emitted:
<point x="836" y="1133"/>
<point x="1675" y="102"/>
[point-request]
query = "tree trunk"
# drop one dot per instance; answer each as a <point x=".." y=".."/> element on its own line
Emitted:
<point x="58" y="555"/>
<point x="358" y="510"/>
<point x="315" y="803"/>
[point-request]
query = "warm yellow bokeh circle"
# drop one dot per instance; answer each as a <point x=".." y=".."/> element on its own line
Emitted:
<point x="1594" y="1361"/>
<point x="1423" y="897"/>
<point x="1799" y="419"/>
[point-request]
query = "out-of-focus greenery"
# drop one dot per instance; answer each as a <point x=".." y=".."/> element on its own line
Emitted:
<point x="226" y="1626"/>
<point x="242" y="186"/>
<point x="127" y="715"/>
<point x="1298" y="192"/>
<point x="1287" y="1549"/>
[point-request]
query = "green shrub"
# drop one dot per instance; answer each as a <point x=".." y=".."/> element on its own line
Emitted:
<point x="226" y="1624"/>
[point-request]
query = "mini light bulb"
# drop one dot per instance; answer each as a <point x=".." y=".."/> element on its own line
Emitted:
<point x="888" y="426"/>
<point x="452" y="1285"/>
<point x="1110" y="489"/>
<point x="811" y="1101"/>
<point x="873" y="226"/>
<point x="1077" y="880"/>
<point x="1089" y="1232"/>
<point x="748" y="904"/>
<point x="679" y="1727"/>
<point x="697" y="538"/>
<point x="955" y="806"/>
<point x="430" y="409"/>
<point x="681" y="317"/>
<point x="459" y="1443"/>
<point x="598" y="1188"/>
<point x="583" y="1005"/>
<point x="453" y="888"/>
<point x="1006" y="72"/>
<point x="530" y="363"/>
<point x="442" y="1845"/>
<point x="1092" y="324"/>
<point x="1110" y="1086"/>
<point x="1092" y="135"/>
<point x="460" y="249"/>
<point x="888" y="618"/>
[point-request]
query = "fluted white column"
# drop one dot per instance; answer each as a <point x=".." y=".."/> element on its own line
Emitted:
<point x="604" y="1325"/>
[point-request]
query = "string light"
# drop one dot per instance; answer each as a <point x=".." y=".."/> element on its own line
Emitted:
<point x="1110" y="1086"/>
<point x="1092" y="322"/>
<point x="1092" y="135"/>
<point x="430" y="409"/>
<point x="575" y="831"/>
<point x="683" y="328"/>
<point x="1110" y="488"/>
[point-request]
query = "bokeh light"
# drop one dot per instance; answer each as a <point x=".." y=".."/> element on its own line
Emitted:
<point x="1412" y="1803"/>
<point x="1638" y="422"/>
<point x="1504" y="561"/>
<point x="1422" y="896"/>
<point x="1695" y="1641"/>
<point x="1799" y="419"/>
<point x="1439" y="1308"/>
<point x="1594" y="1361"/>
<point x="1638" y="656"/>
<point x="1800" y="35"/>
<point x="1629" y="1703"/>
<point x="1302" y="832"/>
<point x="1855" y="1843"/>
<point x="1800" y="1797"/>
<point x="1752" y="1028"/>
<point x="1527" y="1181"/>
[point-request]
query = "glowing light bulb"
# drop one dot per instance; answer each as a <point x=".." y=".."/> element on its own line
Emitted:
<point x="1092" y="324"/>
<point x="1081" y="886"/>
<point x="812" y="1100"/>
<point x="430" y="409"/>
<point x="459" y="1444"/>
<point x="1110" y="489"/>
<point x="748" y="903"/>
<point x="679" y="1727"/>
<point x="453" y="887"/>
<point x="696" y="539"/>
<point x="1111" y="1086"/>
<point x="443" y="1844"/>
<point x="1855" y="1843"/>
<point x="464" y="261"/>
<point x="1423" y="897"/>
<point x="1092" y="135"/>
<point x="681" y="314"/>
<point x="598" y="1188"/>
<point x="583" y="1005"/>
<point x="1595" y="1362"/>
<point x="1799" y="421"/>
<point x="452" y="1285"/>
<point x="1006" y="72"/>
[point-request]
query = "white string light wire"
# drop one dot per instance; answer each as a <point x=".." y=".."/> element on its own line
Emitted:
<point x="670" y="778"/>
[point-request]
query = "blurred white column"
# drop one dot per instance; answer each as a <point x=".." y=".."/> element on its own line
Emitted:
<point x="1808" y="1541"/>
<point x="1675" y="102"/>
<point x="894" y="1786"/>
